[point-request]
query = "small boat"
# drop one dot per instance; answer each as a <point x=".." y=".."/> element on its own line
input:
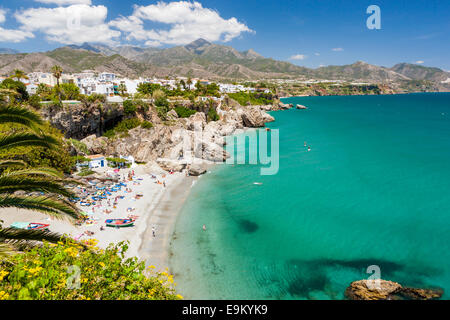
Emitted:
<point x="257" y="183"/>
<point x="119" y="223"/>
<point x="30" y="226"/>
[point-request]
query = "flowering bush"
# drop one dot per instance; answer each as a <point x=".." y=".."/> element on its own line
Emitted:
<point x="71" y="271"/>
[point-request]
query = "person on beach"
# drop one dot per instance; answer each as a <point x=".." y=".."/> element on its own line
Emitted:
<point x="164" y="183"/>
<point x="153" y="232"/>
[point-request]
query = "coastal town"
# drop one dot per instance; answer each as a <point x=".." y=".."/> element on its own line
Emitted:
<point x="113" y="85"/>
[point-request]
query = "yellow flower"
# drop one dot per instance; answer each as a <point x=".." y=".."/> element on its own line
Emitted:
<point x="71" y="252"/>
<point x="3" y="274"/>
<point x="3" y="295"/>
<point x="101" y="264"/>
<point x="179" y="296"/>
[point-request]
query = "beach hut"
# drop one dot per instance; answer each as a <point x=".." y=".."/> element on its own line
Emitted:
<point x="97" y="161"/>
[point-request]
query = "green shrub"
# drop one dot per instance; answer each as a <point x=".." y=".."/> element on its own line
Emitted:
<point x="71" y="271"/>
<point x="35" y="101"/>
<point x="184" y="112"/>
<point x="146" y="125"/>
<point x="129" y="108"/>
<point x="123" y="127"/>
<point x="212" y="115"/>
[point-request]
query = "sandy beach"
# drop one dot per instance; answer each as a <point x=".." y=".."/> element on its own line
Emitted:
<point x="157" y="210"/>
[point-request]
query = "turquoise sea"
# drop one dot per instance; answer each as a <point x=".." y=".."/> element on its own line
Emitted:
<point x="373" y="190"/>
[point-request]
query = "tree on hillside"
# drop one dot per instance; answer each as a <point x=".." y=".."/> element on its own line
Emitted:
<point x="122" y="88"/>
<point x="19" y="75"/>
<point x="57" y="73"/>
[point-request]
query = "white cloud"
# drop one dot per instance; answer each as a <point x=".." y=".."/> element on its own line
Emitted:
<point x="69" y="25"/>
<point x="317" y="54"/>
<point x="420" y="62"/>
<point x="187" y="22"/>
<point x="337" y="49"/>
<point x="10" y="35"/>
<point x="2" y="15"/>
<point x="65" y="2"/>
<point x="298" y="57"/>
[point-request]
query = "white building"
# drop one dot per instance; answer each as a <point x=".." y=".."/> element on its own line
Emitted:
<point x="106" y="77"/>
<point x="31" y="88"/>
<point x="97" y="161"/>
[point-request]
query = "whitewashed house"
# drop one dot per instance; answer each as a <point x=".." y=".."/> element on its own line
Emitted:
<point x="97" y="161"/>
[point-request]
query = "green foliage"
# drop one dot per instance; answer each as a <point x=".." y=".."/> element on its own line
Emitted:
<point x="212" y="115"/>
<point x="96" y="97"/>
<point x="146" y="125"/>
<point x="85" y="172"/>
<point x="69" y="91"/>
<point x="79" y="146"/>
<point x="148" y="88"/>
<point x="17" y="86"/>
<point x="35" y="101"/>
<point x="50" y="273"/>
<point x="123" y="127"/>
<point x="184" y="112"/>
<point x="80" y="159"/>
<point x="115" y="162"/>
<point x="35" y="156"/>
<point x="129" y="108"/>
<point x="252" y="98"/>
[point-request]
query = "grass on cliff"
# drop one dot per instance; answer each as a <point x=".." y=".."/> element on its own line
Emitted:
<point x="252" y="98"/>
<point x="122" y="128"/>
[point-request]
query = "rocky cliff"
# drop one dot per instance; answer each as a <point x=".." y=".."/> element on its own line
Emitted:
<point x="183" y="143"/>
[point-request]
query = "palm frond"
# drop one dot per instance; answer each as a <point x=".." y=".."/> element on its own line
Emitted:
<point x="21" y="115"/>
<point x="27" y="139"/>
<point x="15" y="240"/>
<point x="40" y="171"/>
<point x="57" y="208"/>
<point x="6" y="250"/>
<point x="12" y="184"/>
<point x="14" y="234"/>
<point x="12" y="163"/>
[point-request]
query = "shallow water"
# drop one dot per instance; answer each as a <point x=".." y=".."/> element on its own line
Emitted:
<point x="373" y="190"/>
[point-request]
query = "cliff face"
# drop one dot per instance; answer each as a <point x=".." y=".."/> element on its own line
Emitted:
<point x="79" y="120"/>
<point x="166" y="144"/>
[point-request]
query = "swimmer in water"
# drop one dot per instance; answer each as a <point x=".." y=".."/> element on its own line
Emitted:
<point x="204" y="228"/>
<point x="305" y="144"/>
<point x="309" y="148"/>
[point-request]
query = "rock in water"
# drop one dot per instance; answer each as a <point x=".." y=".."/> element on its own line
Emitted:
<point x="388" y="290"/>
<point x="197" y="168"/>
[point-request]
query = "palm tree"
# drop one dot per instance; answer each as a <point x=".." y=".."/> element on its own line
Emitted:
<point x="122" y="88"/>
<point x="19" y="75"/>
<point x="189" y="83"/>
<point x="16" y="179"/>
<point x="57" y="73"/>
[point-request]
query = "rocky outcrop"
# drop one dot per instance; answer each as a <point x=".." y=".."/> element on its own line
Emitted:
<point x="253" y="117"/>
<point x="388" y="290"/>
<point x="197" y="168"/>
<point x="300" y="106"/>
<point x="96" y="145"/>
<point x="79" y="120"/>
<point x="172" y="115"/>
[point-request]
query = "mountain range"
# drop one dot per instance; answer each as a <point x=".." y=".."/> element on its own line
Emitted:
<point x="202" y="59"/>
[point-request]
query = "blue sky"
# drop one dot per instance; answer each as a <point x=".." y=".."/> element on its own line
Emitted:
<point x="411" y="31"/>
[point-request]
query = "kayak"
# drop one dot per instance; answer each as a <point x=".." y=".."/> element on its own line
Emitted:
<point x="30" y="226"/>
<point x="119" y="223"/>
